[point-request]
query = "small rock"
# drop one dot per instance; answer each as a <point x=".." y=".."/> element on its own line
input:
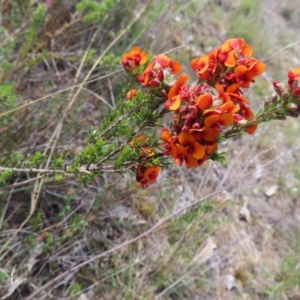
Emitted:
<point x="245" y="213"/>
<point x="271" y="191"/>
<point x="230" y="282"/>
<point x="207" y="252"/>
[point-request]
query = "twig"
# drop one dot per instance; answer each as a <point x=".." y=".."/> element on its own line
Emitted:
<point x="98" y="97"/>
<point x="111" y="93"/>
<point x="60" y="91"/>
<point x="17" y="184"/>
<point x="34" y="170"/>
<point x="5" y="207"/>
<point x="83" y="169"/>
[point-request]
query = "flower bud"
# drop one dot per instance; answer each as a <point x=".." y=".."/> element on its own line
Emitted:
<point x="131" y="94"/>
<point x="196" y="125"/>
<point x="190" y="117"/>
<point x="293" y="86"/>
<point x="196" y="90"/>
<point x="237" y="117"/>
<point x="296" y="91"/>
<point x="279" y="87"/>
<point x="285" y="95"/>
<point x="241" y="123"/>
<point x="154" y="82"/>
<point x="186" y="128"/>
<point x="196" y="109"/>
<point x="292" y="107"/>
<point x="177" y="128"/>
<point x="184" y="110"/>
<point x="267" y="101"/>
<point x="164" y="93"/>
<point x="160" y="75"/>
<point x="274" y="98"/>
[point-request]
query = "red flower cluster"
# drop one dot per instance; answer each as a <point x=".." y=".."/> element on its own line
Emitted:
<point x="205" y="111"/>
<point x="134" y="59"/>
<point x="145" y="175"/>
<point x="160" y="71"/>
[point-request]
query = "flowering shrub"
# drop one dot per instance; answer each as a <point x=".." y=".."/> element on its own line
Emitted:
<point x="205" y="114"/>
<point x="212" y="110"/>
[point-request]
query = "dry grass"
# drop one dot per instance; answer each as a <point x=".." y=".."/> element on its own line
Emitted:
<point x="220" y="232"/>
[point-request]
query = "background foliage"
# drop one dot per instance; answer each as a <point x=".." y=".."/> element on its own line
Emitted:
<point x="240" y="237"/>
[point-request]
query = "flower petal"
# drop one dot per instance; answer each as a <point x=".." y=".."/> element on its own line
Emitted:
<point x="200" y="64"/>
<point x="175" y="89"/>
<point x="204" y="101"/>
<point x="231" y="59"/>
<point x="176" y="67"/>
<point x="163" y="60"/>
<point x="211" y="120"/>
<point x="198" y="150"/>
<point x="294" y="74"/>
<point x="209" y="134"/>
<point x="180" y="150"/>
<point x="186" y="138"/>
<point x="151" y="174"/>
<point x="226" y="119"/>
<point x="191" y="161"/>
<point x="165" y="135"/>
<point x="173" y="150"/>
<point x="233" y="88"/>
<point x="240" y="71"/>
<point x="211" y="148"/>
<point x="251" y="129"/>
<point x="176" y="103"/>
<point x="227" y="106"/>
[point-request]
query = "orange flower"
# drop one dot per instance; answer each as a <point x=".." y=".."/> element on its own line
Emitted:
<point x="245" y="111"/>
<point x="210" y="134"/>
<point x="231" y="50"/>
<point x="293" y="75"/>
<point x="229" y="95"/>
<point x="146" y="176"/>
<point x="247" y="114"/>
<point x="183" y="148"/>
<point x="204" y="101"/>
<point x="174" y="97"/>
<point x="134" y="59"/>
<point x="131" y="94"/>
<point x="162" y="69"/>
<point x="166" y="135"/>
<point x="218" y="117"/>
<point x="251" y="128"/>
<point x="205" y="66"/>
<point x="190" y="149"/>
<point x="245" y="74"/>
<point x="169" y="147"/>
<point x="163" y="61"/>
